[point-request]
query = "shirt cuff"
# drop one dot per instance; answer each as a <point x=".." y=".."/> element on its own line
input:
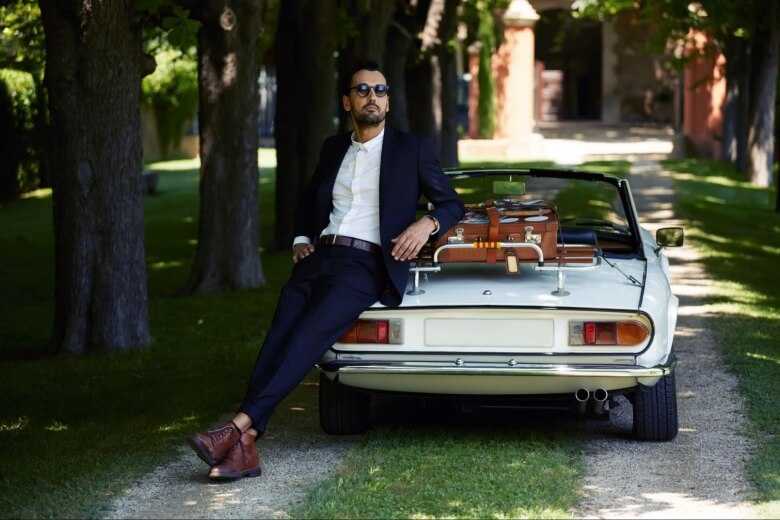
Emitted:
<point x="301" y="240"/>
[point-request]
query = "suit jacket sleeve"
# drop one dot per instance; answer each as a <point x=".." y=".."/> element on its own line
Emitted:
<point x="305" y="213"/>
<point x="434" y="184"/>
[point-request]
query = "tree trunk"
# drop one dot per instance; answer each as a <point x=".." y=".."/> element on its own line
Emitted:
<point x="93" y="72"/>
<point x="762" y="117"/>
<point x="228" y="231"/>
<point x="42" y="134"/>
<point x="399" y="46"/>
<point x="733" y="127"/>
<point x="422" y="95"/>
<point x="449" y="84"/>
<point x="423" y="74"/>
<point x="306" y="101"/>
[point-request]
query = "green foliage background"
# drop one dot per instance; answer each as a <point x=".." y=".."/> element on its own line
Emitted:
<point x="18" y="153"/>
<point x="171" y="91"/>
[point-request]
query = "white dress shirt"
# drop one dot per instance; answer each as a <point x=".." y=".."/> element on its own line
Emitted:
<point x="356" y="193"/>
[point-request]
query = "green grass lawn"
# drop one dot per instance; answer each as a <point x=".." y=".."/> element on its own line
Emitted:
<point x="734" y="226"/>
<point x="462" y="471"/>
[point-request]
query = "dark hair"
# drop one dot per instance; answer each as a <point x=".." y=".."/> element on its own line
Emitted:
<point x="357" y="67"/>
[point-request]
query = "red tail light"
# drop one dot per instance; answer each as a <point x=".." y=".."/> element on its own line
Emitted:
<point x="368" y="331"/>
<point x="619" y="333"/>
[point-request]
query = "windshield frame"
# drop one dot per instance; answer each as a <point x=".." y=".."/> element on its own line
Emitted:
<point x="619" y="183"/>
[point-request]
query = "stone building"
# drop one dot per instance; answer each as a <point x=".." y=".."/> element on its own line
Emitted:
<point x="553" y="68"/>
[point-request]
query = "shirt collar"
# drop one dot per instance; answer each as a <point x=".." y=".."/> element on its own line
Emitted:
<point x="371" y="143"/>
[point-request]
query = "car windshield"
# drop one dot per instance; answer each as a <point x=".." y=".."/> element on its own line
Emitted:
<point x="581" y="203"/>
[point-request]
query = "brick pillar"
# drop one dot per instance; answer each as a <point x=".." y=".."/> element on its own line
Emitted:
<point x="474" y="90"/>
<point x="515" y="83"/>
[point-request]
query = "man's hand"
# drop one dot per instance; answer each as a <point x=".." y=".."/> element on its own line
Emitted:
<point x="301" y="250"/>
<point x="409" y="243"/>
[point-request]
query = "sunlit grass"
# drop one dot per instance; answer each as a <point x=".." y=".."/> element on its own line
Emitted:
<point x="735" y="228"/>
<point x="452" y="472"/>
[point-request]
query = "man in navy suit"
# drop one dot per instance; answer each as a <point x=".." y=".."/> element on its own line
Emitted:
<point x="356" y="231"/>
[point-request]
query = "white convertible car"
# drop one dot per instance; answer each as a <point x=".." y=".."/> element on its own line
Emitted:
<point x="588" y="331"/>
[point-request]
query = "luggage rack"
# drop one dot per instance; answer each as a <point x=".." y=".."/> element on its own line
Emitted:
<point x="540" y="265"/>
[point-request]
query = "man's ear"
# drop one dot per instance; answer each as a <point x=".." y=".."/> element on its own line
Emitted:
<point x="346" y="104"/>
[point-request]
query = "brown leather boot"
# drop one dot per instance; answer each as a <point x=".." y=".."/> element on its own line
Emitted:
<point x="212" y="446"/>
<point x="241" y="461"/>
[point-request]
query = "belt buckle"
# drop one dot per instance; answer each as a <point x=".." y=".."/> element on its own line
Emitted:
<point x="333" y="240"/>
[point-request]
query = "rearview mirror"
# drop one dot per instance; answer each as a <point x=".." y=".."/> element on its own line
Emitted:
<point x="508" y="187"/>
<point x="670" y="237"/>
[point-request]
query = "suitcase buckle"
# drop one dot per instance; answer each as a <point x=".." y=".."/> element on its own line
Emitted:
<point x="458" y="238"/>
<point x="531" y="237"/>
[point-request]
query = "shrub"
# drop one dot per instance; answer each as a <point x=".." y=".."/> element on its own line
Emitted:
<point x="172" y="93"/>
<point x="18" y="155"/>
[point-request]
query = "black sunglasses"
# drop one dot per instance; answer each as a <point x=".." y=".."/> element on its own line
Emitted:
<point x="363" y="89"/>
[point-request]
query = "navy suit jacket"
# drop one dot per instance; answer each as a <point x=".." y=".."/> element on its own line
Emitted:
<point x="409" y="167"/>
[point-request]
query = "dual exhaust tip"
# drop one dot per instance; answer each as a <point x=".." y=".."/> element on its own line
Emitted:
<point x="583" y="394"/>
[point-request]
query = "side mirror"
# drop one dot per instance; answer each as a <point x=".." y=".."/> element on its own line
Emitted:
<point x="670" y="237"/>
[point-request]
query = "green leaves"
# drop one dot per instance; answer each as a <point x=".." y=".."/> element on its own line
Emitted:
<point x="21" y="37"/>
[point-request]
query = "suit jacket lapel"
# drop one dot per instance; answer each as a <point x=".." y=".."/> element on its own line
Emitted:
<point x="332" y="168"/>
<point x="385" y="172"/>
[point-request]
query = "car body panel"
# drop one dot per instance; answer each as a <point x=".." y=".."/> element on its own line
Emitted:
<point x="476" y="329"/>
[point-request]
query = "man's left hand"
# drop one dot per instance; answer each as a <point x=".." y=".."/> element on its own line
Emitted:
<point x="409" y="243"/>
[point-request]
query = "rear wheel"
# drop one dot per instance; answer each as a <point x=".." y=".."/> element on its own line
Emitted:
<point x="343" y="410"/>
<point x="655" y="410"/>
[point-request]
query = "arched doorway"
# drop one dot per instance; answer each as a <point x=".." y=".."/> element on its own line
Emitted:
<point x="570" y="50"/>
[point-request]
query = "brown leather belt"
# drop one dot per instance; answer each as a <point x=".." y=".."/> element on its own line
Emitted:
<point x="341" y="240"/>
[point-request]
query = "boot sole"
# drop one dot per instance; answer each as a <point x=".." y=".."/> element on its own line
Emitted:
<point x="201" y="451"/>
<point x="250" y="473"/>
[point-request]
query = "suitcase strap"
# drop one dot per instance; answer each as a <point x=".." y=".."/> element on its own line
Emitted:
<point x="494" y="220"/>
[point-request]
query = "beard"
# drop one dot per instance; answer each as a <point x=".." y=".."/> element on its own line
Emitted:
<point x="367" y="118"/>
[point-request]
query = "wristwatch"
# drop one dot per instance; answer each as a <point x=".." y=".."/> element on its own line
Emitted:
<point x="435" y="222"/>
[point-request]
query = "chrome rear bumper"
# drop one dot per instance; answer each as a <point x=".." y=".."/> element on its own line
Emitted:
<point x="491" y="378"/>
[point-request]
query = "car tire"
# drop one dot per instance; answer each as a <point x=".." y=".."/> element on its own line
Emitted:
<point x="343" y="410"/>
<point x="655" y="410"/>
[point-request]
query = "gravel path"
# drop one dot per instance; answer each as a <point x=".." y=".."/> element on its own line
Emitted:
<point x="701" y="474"/>
<point x="295" y="455"/>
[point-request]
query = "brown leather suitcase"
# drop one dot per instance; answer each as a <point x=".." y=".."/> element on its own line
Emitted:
<point x="502" y="220"/>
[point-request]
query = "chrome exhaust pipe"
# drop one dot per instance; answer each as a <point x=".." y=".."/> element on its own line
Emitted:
<point x="582" y="395"/>
<point x="600" y="408"/>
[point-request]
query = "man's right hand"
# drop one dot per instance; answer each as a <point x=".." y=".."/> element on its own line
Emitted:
<point x="301" y="250"/>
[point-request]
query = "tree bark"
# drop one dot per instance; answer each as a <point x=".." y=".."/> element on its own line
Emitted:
<point x="42" y="134"/>
<point x="228" y="255"/>
<point x="306" y="101"/>
<point x="733" y="149"/>
<point x="93" y="74"/>
<point x="449" y="84"/>
<point x="762" y="116"/>
<point x="399" y="46"/>
<point x="423" y="74"/>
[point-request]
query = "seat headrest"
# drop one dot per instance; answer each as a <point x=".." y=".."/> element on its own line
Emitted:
<point x="577" y="235"/>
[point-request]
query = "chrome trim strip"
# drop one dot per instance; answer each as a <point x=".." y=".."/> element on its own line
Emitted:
<point x="504" y="370"/>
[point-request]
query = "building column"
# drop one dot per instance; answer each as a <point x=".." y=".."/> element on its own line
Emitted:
<point x="515" y="81"/>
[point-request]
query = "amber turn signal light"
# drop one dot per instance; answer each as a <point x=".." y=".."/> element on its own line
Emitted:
<point x="625" y="333"/>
